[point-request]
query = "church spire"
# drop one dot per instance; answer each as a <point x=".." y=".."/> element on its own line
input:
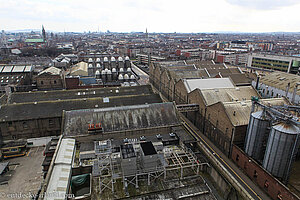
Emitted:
<point x="44" y="33"/>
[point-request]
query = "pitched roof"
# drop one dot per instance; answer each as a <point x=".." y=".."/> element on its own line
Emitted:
<point x="212" y="96"/>
<point x="280" y="80"/>
<point x="120" y="118"/>
<point x="210" y="83"/>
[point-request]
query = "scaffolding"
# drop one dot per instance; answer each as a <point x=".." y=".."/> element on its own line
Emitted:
<point x="171" y="161"/>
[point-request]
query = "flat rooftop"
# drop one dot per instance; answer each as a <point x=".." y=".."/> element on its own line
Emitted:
<point x="23" y="97"/>
<point x="46" y="109"/>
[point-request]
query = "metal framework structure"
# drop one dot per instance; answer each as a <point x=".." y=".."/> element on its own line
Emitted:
<point x="173" y="161"/>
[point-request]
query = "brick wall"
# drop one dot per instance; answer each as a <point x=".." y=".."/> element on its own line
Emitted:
<point x="274" y="188"/>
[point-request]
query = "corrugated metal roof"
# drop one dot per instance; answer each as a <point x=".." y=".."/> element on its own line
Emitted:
<point x="18" y="69"/>
<point x="7" y="69"/>
<point x="51" y="70"/>
<point x="212" y="96"/>
<point x="65" y="152"/>
<point x="192" y="84"/>
<point x="280" y="80"/>
<point x="120" y="118"/>
<point x="59" y="183"/>
<point x="239" y="112"/>
<point x="28" y="68"/>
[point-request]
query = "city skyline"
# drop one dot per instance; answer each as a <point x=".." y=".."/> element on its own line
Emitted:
<point x="166" y="16"/>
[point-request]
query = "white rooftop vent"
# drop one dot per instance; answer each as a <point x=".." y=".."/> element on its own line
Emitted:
<point x="98" y="65"/>
<point x="90" y="59"/>
<point x="90" y="65"/>
<point x="126" y="58"/>
<point x="128" y="69"/>
<point x="105" y="59"/>
<point x="108" y="72"/>
<point x="113" y="70"/>
<point x="121" y="69"/>
<point x="98" y="60"/>
<point x="112" y="59"/>
<point x="97" y="72"/>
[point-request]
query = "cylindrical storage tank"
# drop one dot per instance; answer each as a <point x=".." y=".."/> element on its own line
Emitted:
<point x="255" y="136"/>
<point x="280" y="147"/>
<point x="114" y="74"/>
<point x="103" y="75"/>
<point x="105" y="62"/>
<point x="113" y="62"/>
<point x="98" y="75"/>
<point x="126" y="77"/>
<point x="120" y="63"/>
<point x="109" y="76"/>
<point x="132" y="77"/>
<point x="121" y="71"/>
<point x="127" y="62"/>
<point x="120" y="77"/>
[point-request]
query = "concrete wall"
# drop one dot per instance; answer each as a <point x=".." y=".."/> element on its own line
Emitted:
<point x="274" y="188"/>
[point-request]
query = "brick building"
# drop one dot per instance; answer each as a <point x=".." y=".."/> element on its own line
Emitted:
<point x="24" y="118"/>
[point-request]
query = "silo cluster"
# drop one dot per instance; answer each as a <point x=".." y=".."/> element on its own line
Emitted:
<point x="109" y="70"/>
<point x="273" y="142"/>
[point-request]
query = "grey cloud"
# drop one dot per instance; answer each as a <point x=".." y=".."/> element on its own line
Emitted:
<point x="263" y="4"/>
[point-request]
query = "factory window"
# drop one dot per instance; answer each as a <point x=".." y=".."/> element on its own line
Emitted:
<point x="226" y="131"/>
<point x="255" y="174"/>
<point x="266" y="185"/>
<point x="9" y="124"/>
<point x="14" y="137"/>
<point x="51" y="122"/>
<point x="279" y="196"/>
<point x="25" y="125"/>
<point x="263" y="91"/>
<point x="237" y="157"/>
<point x="272" y="93"/>
<point x="54" y="81"/>
<point x="42" y="82"/>
<point x="245" y="165"/>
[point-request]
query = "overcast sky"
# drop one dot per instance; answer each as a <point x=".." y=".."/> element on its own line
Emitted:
<point x="156" y="15"/>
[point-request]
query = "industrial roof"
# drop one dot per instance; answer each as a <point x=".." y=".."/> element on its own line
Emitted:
<point x="22" y="97"/>
<point x="46" y="109"/>
<point x="192" y="84"/>
<point x="51" y="70"/>
<point x="120" y="118"/>
<point x="239" y="112"/>
<point x="193" y="73"/>
<point x="80" y="69"/>
<point x="212" y="96"/>
<point x="58" y="183"/>
<point x="65" y="152"/>
<point x="280" y="80"/>
<point x="38" y="40"/>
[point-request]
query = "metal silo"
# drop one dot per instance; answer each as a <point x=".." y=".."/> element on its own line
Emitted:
<point x="281" y="148"/>
<point x="255" y="137"/>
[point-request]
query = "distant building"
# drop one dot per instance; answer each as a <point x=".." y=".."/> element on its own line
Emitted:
<point x="50" y="78"/>
<point x="289" y="64"/>
<point x="279" y="84"/>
